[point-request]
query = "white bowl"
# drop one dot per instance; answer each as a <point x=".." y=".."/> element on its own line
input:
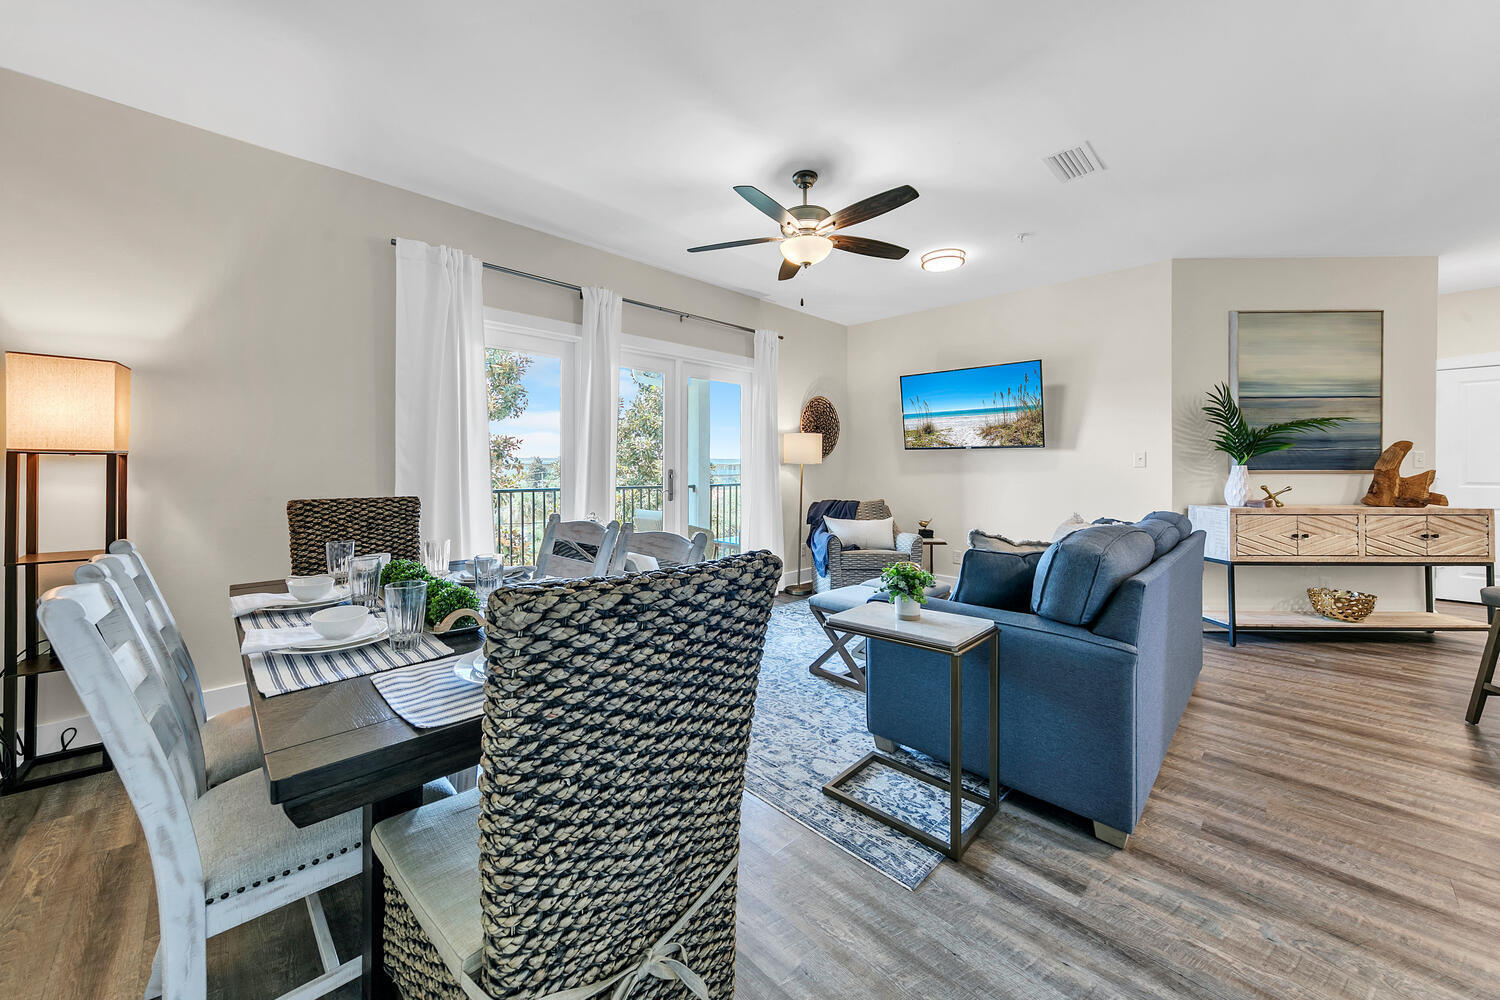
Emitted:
<point x="309" y="588"/>
<point x="340" y="621"/>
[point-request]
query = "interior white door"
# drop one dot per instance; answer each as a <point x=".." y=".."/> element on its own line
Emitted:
<point x="1468" y="459"/>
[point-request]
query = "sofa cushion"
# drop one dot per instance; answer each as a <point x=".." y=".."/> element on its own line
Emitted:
<point x="1000" y="580"/>
<point x="1163" y="533"/>
<point x="1180" y="521"/>
<point x="1077" y="576"/>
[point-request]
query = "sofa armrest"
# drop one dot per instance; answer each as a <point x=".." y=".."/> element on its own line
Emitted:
<point x="910" y="543"/>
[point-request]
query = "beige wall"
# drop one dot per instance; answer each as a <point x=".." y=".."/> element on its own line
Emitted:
<point x="1468" y="323"/>
<point x="1104" y="343"/>
<point x="253" y="294"/>
<point x="1203" y="293"/>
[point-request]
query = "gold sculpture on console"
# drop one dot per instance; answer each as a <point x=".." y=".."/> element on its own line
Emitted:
<point x="1271" y="500"/>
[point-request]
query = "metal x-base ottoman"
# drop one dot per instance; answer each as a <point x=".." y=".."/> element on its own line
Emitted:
<point x="831" y="602"/>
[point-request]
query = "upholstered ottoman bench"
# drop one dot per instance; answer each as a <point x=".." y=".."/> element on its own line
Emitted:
<point x="831" y="602"/>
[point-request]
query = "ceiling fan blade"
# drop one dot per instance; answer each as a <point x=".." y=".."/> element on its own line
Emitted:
<point x="872" y="206"/>
<point x="788" y="270"/>
<point x="870" y="248"/>
<point x="767" y="204"/>
<point x="736" y="243"/>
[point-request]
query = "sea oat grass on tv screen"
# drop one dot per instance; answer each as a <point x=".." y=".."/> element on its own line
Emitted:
<point x="994" y="406"/>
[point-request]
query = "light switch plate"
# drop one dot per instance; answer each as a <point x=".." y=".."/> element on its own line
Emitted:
<point x="1419" y="459"/>
<point x="1140" y="460"/>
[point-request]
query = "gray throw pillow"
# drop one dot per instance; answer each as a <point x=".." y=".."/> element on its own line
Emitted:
<point x="991" y="542"/>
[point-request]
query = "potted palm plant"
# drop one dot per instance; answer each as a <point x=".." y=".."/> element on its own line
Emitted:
<point x="1242" y="441"/>
<point x="907" y="584"/>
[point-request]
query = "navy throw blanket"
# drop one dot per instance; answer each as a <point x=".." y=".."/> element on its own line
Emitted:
<point x="817" y="535"/>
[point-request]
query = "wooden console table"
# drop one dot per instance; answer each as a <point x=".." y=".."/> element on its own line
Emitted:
<point x="1345" y="536"/>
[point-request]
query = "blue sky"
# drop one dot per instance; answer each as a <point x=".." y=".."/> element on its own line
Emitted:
<point x="967" y="388"/>
<point x="538" y="427"/>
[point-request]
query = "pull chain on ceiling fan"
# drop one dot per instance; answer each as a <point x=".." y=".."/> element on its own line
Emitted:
<point x="808" y="231"/>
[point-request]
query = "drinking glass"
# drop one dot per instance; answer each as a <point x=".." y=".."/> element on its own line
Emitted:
<point x="435" y="556"/>
<point x="488" y="571"/>
<point x="364" y="579"/>
<point x="339" y="554"/>
<point x="405" y="612"/>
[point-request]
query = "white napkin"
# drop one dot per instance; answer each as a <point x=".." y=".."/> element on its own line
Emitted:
<point x="269" y="640"/>
<point x="245" y="604"/>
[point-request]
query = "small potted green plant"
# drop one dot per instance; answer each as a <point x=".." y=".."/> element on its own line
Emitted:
<point x="1242" y="441"/>
<point x="906" y="582"/>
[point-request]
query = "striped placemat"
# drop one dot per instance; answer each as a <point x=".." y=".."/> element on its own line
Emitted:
<point x="431" y="694"/>
<point x="278" y="673"/>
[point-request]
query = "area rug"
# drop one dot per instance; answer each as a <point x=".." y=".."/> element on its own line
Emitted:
<point x="807" y="730"/>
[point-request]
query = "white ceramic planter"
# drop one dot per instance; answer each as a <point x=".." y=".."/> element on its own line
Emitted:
<point x="1237" y="486"/>
<point x="906" y="608"/>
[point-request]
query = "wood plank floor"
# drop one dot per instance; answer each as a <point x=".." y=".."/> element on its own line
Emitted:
<point x="1324" y="826"/>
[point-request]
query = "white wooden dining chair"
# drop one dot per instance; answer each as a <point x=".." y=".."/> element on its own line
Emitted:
<point x="667" y="548"/>
<point x="576" y="549"/>
<point x="219" y="858"/>
<point x="229" y="745"/>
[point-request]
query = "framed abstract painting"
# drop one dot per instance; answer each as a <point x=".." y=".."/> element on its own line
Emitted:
<point x="1293" y="365"/>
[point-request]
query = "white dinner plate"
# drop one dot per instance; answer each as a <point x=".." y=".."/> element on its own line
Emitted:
<point x="470" y="669"/>
<point x="339" y="596"/>
<point x="335" y="645"/>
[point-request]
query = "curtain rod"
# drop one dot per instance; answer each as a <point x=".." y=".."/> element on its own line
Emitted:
<point x="632" y="302"/>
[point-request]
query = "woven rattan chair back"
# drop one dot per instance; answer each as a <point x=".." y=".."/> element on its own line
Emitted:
<point x="616" y="729"/>
<point x="376" y="524"/>
<point x="574" y="549"/>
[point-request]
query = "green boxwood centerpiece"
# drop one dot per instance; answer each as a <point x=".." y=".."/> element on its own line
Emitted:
<point x="443" y="596"/>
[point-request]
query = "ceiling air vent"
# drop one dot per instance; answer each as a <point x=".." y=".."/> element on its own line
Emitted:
<point x="1073" y="163"/>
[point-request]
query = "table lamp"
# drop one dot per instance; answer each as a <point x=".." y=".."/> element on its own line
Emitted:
<point x="53" y="406"/>
<point x="801" y="450"/>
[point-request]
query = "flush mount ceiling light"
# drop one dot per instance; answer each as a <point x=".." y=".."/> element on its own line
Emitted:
<point x="946" y="259"/>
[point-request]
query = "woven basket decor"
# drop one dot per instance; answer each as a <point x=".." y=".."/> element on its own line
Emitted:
<point x="819" y="417"/>
<point x="1341" y="605"/>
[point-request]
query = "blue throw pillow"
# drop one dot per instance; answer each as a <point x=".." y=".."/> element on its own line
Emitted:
<point x="1164" y="533"/>
<point x="999" y="580"/>
<point x="1079" y="574"/>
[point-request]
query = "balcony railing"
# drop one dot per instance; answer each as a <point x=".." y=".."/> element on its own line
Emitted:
<point x="521" y="513"/>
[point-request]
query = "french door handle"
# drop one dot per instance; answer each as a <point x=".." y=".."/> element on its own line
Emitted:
<point x="671" y="484"/>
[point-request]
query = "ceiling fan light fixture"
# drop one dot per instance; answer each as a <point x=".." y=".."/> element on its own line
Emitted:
<point x="945" y="259"/>
<point x="806" y="249"/>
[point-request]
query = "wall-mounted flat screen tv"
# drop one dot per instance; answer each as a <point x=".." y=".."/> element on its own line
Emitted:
<point x="996" y="406"/>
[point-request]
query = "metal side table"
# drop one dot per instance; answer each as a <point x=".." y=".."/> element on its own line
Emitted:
<point x="952" y="635"/>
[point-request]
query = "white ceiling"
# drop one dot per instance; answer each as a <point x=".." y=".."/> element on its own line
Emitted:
<point x="1268" y="128"/>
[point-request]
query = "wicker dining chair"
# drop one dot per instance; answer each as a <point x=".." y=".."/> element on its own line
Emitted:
<point x="219" y="857"/>
<point x="600" y="847"/>
<point x="375" y="524"/>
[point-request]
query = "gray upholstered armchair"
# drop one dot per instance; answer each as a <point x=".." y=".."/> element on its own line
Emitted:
<point x="847" y="567"/>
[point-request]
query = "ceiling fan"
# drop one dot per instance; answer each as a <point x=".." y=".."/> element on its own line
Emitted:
<point x="808" y="231"/>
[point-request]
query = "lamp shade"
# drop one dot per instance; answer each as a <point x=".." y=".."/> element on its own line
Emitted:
<point x="66" y="404"/>
<point x="802" y="449"/>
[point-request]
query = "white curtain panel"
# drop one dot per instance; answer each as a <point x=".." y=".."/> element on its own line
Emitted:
<point x="761" y="494"/>
<point x="442" y="425"/>
<point x="590" y="489"/>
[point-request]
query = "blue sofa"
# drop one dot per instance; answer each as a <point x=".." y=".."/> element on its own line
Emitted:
<point x="1101" y="642"/>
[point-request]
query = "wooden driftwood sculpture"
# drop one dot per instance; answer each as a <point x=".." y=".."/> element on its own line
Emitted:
<point x="1388" y="488"/>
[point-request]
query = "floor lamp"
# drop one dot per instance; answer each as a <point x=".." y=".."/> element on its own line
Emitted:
<point x="801" y="450"/>
<point x="53" y="406"/>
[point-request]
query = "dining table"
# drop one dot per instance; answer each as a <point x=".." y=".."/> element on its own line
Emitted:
<point x="340" y="746"/>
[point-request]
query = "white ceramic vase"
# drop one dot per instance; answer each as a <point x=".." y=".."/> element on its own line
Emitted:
<point x="906" y="608"/>
<point x="1237" y="486"/>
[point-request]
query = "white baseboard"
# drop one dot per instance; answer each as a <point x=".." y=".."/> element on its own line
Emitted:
<point x="49" y="734"/>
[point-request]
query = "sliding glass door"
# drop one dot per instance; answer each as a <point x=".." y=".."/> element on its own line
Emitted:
<point x="680" y="440"/>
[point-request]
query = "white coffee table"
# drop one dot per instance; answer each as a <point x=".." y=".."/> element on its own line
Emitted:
<point x="952" y="635"/>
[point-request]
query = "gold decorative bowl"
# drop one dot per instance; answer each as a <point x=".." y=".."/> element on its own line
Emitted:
<point x="1342" y="605"/>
